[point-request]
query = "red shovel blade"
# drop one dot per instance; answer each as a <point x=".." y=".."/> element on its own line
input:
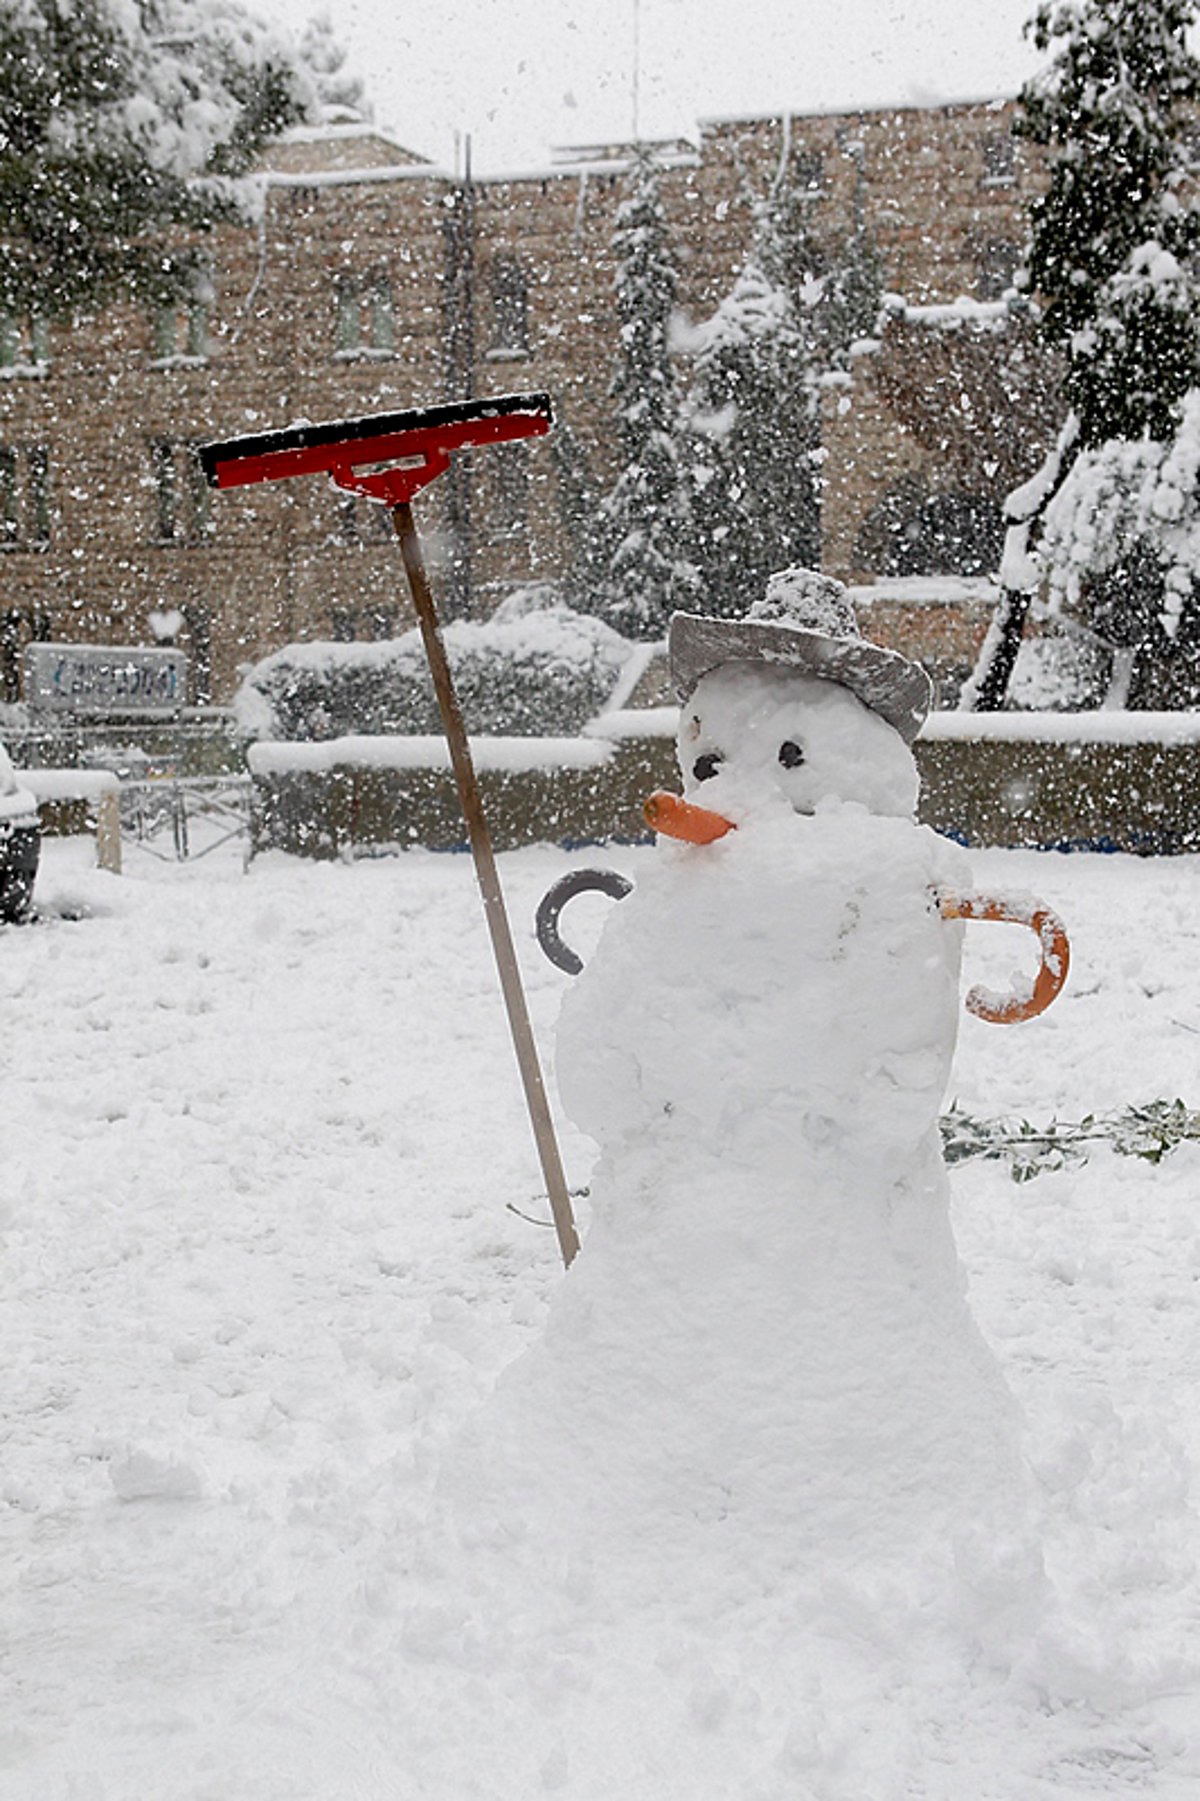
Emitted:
<point x="418" y="443"/>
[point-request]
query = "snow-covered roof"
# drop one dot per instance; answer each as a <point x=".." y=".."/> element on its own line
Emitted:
<point x="963" y="311"/>
<point x="662" y="150"/>
<point x="338" y="146"/>
<point x="323" y="177"/>
<point x="345" y="178"/>
<point x="848" y="109"/>
<point x="925" y="591"/>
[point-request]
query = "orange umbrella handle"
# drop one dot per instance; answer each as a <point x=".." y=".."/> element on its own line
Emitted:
<point x="1052" y="937"/>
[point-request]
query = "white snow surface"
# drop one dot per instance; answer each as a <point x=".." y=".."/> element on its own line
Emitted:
<point x="70" y="784"/>
<point x="261" y="1137"/>
<point x="1095" y="725"/>
<point x="422" y="751"/>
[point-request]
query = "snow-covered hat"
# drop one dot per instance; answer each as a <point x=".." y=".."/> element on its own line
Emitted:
<point x="804" y="621"/>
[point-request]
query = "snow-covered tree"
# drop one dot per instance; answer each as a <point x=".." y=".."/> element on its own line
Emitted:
<point x="339" y="88"/>
<point x="1120" y="546"/>
<point x="753" y="418"/>
<point x="579" y="504"/>
<point x="1112" y="236"/>
<point x="1112" y="254"/>
<point x="753" y="404"/>
<point x="644" y="520"/>
<point x="126" y="126"/>
<point x="851" y="288"/>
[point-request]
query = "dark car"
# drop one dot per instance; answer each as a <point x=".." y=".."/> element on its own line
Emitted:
<point x="20" y="843"/>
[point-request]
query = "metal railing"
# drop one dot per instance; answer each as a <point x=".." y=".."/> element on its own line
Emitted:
<point x="179" y="819"/>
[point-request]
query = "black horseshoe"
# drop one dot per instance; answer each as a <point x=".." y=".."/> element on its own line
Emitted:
<point x="580" y="881"/>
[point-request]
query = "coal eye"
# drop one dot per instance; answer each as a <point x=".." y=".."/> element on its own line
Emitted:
<point x="791" y="754"/>
<point x="705" y="767"/>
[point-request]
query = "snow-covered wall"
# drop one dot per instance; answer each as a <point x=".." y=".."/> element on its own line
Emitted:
<point x="511" y="755"/>
<point x="1116" y="780"/>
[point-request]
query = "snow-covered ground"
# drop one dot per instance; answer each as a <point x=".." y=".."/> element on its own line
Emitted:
<point x="263" y="1173"/>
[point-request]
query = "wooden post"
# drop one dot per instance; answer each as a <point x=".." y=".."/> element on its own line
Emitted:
<point x="489" y="883"/>
<point x="108" y="830"/>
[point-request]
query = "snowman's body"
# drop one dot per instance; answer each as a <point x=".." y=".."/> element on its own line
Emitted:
<point x="765" y="1341"/>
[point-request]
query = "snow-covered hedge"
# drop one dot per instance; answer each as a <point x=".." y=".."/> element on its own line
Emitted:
<point x="534" y="669"/>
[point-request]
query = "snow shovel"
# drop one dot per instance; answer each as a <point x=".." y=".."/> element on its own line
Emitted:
<point x="390" y="457"/>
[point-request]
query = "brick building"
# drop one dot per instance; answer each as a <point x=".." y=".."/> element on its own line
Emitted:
<point x="377" y="282"/>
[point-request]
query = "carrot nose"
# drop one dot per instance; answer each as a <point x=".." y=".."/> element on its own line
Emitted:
<point x="678" y="818"/>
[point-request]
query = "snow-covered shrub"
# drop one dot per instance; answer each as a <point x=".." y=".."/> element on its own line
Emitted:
<point x="1121" y="503"/>
<point x="1059" y="672"/>
<point x="532" y="670"/>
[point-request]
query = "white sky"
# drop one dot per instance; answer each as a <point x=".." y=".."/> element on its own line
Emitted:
<point x="520" y="75"/>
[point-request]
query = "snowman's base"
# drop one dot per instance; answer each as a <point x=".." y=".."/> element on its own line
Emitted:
<point x="790" y="1403"/>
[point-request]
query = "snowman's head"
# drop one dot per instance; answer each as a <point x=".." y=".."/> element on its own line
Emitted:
<point x="755" y="735"/>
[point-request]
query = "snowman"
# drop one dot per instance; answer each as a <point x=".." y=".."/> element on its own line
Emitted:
<point x="763" y="1364"/>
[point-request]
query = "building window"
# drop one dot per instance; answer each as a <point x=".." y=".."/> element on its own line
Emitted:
<point x="996" y="261"/>
<point x="179" y="335"/>
<point x="181" y="498"/>
<point x="199" y="621"/>
<point x="510" y="310"/>
<point x="508" y="476"/>
<point x="364" y="317"/>
<point x="383" y="321"/>
<point x="18" y="626"/>
<point x="348" y="319"/>
<point x="24" y="344"/>
<point x="367" y="624"/>
<point x="807" y="171"/>
<point x="999" y="152"/>
<point x="24" y="496"/>
<point x="363" y="521"/>
<point x="381" y="622"/>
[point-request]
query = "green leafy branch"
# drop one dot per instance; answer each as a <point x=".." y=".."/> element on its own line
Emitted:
<point x="1148" y="1132"/>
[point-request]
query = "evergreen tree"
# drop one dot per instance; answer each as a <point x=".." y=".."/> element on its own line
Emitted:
<point x="579" y="505"/>
<point x="753" y="418"/>
<point x="1113" y="234"/>
<point x="1113" y="242"/>
<point x="753" y="409"/>
<point x="121" y="128"/>
<point x="851" y="289"/>
<point x="644" y="520"/>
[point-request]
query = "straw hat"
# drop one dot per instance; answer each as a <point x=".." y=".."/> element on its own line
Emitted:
<point x="804" y="621"/>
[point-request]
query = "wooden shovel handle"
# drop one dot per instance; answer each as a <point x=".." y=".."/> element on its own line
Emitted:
<point x="1007" y="1010"/>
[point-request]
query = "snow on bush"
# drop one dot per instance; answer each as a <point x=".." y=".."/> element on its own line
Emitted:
<point x="534" y="669"/>
<point x="1118" y="496"/>
<point x="1052" y="671"/>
